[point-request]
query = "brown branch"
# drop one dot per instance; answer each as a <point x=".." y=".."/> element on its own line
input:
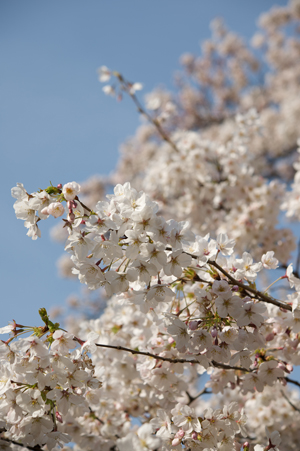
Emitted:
<point x="290" y="402"/>
<point x="127" y="85"/>
<point x="171" y="360"/>
<point x="292" y="381"/>
<point x="205" y="391"/>
<point x="8" y="440"/>
<point x="298" y="259"/>
<point x="94" y="416"/>
<point x="257" y="293"/>
<point x="82" y="204"/>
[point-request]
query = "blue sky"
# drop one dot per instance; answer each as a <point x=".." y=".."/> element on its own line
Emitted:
<point x="56" y="124"/>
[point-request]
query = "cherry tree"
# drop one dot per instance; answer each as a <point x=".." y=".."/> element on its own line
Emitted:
<point x="193" y="348"/>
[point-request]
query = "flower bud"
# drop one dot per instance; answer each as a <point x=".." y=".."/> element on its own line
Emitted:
<point x="193" y="325"/>
<point x="270" y="336"/>
<point x="194" y="435"/>
<point x="176" y="441"/>
<point x="58" y="417"/>
<point x="71" y="217"/>
<point x="281" y="366"/>
<point x="214" y="332"/>
<point x="45" y="211"/>
<point x="180" y="433"/>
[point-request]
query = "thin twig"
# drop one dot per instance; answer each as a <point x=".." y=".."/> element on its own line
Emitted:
<point x="259" y="294"/>
<point x="126" y="85"/>
<point x="93" y="415"/>
<point x="298" y="259"/>
<point x="290" y="402"/>
<point x="82" y="204"/>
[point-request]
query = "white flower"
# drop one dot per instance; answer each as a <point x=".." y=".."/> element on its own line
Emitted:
<point x="6" y="329"/>
<point x="109" y="90"/>
<point x="294" y="281"/>
<point x="273" y="437"/>
<point x="251" y="314"/>
<point x="224" y="245"/>
<point x="246" y="268"/>
<point x="160" y="292"/>
<point x="268" y="260"/>
<point x="56" y="209"/>
<point x="269" y="372"/>
<point x="63" y="342"/>
<point x="178" y="261"/>
<point x="179" y="330"/>
<point x="147" y="439"/>
<point x="161" y="422"/>
<point x="104" y="74"/>
<point x="135" y="87"/>
<point x="70" y="190"/>
<point x="185" y="418"/>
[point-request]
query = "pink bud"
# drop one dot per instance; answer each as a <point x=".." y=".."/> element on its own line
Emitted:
<point x="193" y="325"/>
<point x="270" y="336"/>
<point x="289" y="368"/>
<point x="45" y="211"/>
<point x="281" y="366"/>
<point x="171" y="340"/>
<point x="58" y="417"/>
<point x="176" y="441"/>
<point x="59" y="186"/>
<point x="194" y="435"/>
<point x="180" y="433"/>
<point x="71" y="217"/>
<point x="214" y="332"/>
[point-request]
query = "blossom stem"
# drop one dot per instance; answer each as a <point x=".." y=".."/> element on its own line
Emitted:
<point x="279" y="278"/>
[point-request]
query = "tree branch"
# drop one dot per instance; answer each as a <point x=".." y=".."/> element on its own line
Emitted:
<point x="292" y="381"/>
<point x="259" y="294"/>
<point x="171" y="360"/>
<point x="290" y="402"/>
<point x="205" y="391"/>
<point x="8" y="440"/>
<point x="127" y="85"/>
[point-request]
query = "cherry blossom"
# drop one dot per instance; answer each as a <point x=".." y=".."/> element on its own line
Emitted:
<point x="186" y="268"/>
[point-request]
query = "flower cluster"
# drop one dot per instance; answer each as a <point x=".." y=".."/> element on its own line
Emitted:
<point x="182" y="305"/>
<point x="186" y="269"/>
<point x="42" y="382"/>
